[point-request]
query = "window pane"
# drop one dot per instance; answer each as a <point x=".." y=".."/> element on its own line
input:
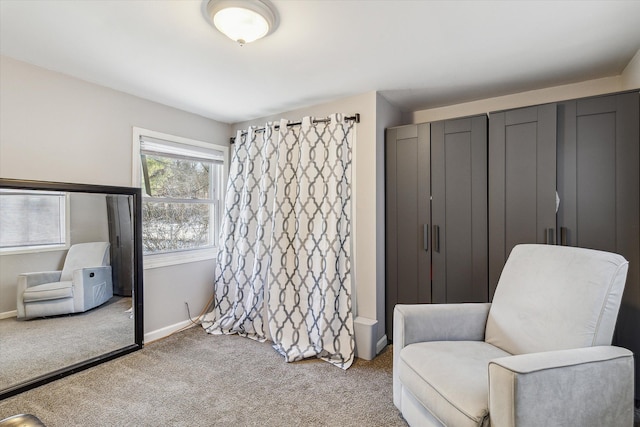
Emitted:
<point x="176" y="226"/>
<point x="178" y="178"/>
<point x="31" y="219"/>
<point x="181" y="186"/>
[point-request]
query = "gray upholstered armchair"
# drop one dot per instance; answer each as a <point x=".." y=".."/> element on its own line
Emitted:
<point x="539" y="355"/>
<point x="84" y="283"/>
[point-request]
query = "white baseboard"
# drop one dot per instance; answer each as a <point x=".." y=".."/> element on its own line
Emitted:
<point x="149" y="337"/>
<point x="9" y="314"/>
<point x="158" y="334"/>
<point x="381" y="344"/>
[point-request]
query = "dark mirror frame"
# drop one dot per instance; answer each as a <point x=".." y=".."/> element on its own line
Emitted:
<point x="137" y="277"/>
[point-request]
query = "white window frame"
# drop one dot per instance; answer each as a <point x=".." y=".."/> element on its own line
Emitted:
<point x="186" y="256"/>
<point x="46" y="248"/>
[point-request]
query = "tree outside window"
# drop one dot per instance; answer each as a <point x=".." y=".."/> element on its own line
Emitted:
<point x="180" y="207"/>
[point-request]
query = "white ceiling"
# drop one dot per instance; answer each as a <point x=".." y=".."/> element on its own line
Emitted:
<point x="419" y="54"/>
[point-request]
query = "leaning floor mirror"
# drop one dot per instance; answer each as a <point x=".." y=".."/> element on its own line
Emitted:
<point x="70" y="279"/>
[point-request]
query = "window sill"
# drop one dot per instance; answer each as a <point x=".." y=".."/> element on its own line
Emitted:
<point x="176" y="258"/>
<point x="33" y="249"/>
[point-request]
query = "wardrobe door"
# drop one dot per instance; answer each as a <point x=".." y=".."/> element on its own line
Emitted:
<point x="598" y="173"/>
<point x="599" y="188"/>
<point x="522" y="182"/>
<point x="459" y="210"/>
<point x="408" y="254"/>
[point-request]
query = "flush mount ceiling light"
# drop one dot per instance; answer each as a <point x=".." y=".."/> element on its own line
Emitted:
<point x="243" y="21"/>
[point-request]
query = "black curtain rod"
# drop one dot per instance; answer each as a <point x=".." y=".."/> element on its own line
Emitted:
<point x="355" y="118"/>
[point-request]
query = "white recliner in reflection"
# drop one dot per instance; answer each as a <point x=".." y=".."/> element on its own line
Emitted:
<point x="539" y="355"/>
<point x="84" y="283"/>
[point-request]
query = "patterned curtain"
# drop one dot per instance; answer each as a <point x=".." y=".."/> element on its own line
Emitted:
<point x="287" y="236"/>
<point x="245" y="235"/>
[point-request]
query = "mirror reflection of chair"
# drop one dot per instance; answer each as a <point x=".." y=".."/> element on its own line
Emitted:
<point x="84" y="282"/>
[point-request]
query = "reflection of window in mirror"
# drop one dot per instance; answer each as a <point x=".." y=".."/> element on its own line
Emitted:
<point x="182" y="182"/>
<point x="33" y="221"/>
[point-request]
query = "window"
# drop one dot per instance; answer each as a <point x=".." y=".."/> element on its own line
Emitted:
<point x="32" y="220"/>
<point x="181" y="183"/>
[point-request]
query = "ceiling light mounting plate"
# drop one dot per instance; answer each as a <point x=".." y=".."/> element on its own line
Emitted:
<point x="243" y="21"/>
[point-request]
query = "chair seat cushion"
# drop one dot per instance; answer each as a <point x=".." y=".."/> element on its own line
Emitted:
<point x="450" y="379"/>
<point x="48" y="291"/>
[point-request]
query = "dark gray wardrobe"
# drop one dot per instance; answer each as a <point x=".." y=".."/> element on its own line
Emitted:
<point x="588" y="151"/>
<point x="436" y="213"/>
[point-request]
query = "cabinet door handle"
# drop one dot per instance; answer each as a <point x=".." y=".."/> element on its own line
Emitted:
<point x="425" y="237"/>
<point x="548" y="236"/>
<point x="436" y="238"/>
<point x="563" y="236"/>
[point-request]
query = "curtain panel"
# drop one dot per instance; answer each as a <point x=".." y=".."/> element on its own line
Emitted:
<point x="284" y="267"/>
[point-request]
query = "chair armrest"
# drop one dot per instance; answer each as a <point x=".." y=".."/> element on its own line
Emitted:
<point x="590" y="386"/>
<point x="26" y="280"/>
<point x="414" y="323"/>
<point x="84" y="283"/>
<point x="438" y="322"/>
<point x="92" y="274"/>
<point x="38" y="278"/>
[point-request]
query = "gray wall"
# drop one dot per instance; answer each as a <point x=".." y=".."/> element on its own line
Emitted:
<point x="627" y="80"/>
<point x="58" y="128"/>
<point x="387" y="116"/>
<point x="630" y="77"/>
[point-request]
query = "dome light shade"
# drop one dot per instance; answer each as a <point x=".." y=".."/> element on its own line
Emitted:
<point x="243" y="21"/>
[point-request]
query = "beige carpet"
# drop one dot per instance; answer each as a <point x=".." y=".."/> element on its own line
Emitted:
<point x="195" y="379"/>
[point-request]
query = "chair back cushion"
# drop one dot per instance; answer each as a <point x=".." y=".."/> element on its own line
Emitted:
<point x="555" y="298"/>
<point x="94" y="254"/>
